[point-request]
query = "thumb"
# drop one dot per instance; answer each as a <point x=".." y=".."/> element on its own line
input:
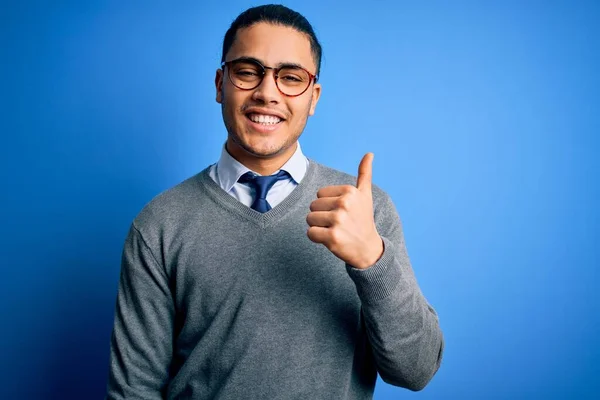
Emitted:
<point x="365" y="173"/>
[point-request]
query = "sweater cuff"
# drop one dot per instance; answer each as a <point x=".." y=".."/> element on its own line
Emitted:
<point x="379" y="280"/>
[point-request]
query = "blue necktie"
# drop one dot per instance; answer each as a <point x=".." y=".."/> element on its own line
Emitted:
<point x="261" y="185"/>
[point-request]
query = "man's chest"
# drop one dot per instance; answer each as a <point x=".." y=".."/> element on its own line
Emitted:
<point x="272" y="277"/>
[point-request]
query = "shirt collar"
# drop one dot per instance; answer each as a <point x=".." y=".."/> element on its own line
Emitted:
<point x="229" y="169"/>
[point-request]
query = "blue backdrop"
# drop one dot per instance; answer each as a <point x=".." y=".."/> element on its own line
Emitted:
<point x="484" y="121"/>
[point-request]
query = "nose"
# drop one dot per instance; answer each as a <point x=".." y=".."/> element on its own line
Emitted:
<point x="267" y="92"/>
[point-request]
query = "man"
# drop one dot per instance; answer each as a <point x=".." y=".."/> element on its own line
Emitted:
<point x="269" y="275"/>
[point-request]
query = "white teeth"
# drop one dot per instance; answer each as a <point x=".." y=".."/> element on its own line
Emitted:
<point x="265" y="119"/>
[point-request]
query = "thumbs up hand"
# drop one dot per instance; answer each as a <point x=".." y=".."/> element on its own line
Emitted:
<point x="342" y="219"/>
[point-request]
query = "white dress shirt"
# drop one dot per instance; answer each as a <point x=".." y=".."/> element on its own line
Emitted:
<point x="228" y="170"/>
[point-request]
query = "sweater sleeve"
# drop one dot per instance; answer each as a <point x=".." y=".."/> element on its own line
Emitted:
<point x="141" y="342"/>
<point x="402" y="328"/>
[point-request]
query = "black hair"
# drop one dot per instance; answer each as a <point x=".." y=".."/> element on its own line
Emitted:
<point x="278" y="15"/>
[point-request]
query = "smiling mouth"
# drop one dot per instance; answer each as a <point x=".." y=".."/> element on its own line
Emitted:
<point x="267" y="120"/>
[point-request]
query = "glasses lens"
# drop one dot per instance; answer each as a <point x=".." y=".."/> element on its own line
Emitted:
<point x="293" y="80"/>
<point x="245" y="74"/>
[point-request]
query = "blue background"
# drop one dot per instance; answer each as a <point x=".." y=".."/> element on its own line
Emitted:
<point x="484" y="121"/>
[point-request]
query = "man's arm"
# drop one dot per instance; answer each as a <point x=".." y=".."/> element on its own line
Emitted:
<point x="402" y="327"/>
<point x="141" y="342"/>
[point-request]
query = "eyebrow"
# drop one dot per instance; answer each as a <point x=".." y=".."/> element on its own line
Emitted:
<point x="279" y="65"/>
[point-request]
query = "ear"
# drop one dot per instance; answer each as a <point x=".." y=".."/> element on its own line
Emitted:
<point x="316" y="94"/>
<point x="219" y="85"/>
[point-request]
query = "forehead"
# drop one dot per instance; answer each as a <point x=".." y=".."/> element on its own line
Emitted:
<point x="272" y="44"/>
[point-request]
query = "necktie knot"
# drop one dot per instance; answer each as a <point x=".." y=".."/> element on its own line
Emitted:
<point x="262" y="185"/>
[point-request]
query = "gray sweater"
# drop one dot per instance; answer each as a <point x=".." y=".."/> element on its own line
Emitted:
<point x="218" y="301"/>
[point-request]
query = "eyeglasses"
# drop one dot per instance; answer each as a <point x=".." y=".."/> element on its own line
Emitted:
<point x="248" y="74"/>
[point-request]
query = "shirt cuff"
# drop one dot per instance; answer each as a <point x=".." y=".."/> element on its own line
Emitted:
<point x="379" y="280"/>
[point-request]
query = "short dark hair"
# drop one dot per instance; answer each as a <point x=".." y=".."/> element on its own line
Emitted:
<point x="278" y="15"/>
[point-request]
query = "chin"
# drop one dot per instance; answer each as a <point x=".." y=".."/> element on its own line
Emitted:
<point x="261" y="145"/>
<point x="263" y="151"/>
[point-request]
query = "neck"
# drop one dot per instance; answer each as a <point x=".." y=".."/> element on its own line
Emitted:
<point x="263" y="165"/>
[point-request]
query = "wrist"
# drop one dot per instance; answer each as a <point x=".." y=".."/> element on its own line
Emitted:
<point x="374" y="254"/>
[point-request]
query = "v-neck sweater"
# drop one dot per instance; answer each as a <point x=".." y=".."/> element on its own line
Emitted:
<point x="219" y="301"/>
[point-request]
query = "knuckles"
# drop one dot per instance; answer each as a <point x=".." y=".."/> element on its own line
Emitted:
<point x="334" y="237"/>
<point x="343" y="203"/>
<point x="338" y="218"/>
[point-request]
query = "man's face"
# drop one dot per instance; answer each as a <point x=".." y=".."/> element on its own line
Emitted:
<point x="272" y="45"/>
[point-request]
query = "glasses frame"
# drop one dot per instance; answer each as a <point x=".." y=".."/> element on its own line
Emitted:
<point x="312" y="77"/>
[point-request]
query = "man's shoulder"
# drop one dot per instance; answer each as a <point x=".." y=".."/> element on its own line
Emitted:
<point x="330" y="176"/>
<point x="172" y="204"/>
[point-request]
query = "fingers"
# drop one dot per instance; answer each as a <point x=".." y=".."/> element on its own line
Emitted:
<point x="334" y="191"/>
<point x="321" y="218"/>
<point x="328" y="204"/>
<point x="318" y="234"/>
